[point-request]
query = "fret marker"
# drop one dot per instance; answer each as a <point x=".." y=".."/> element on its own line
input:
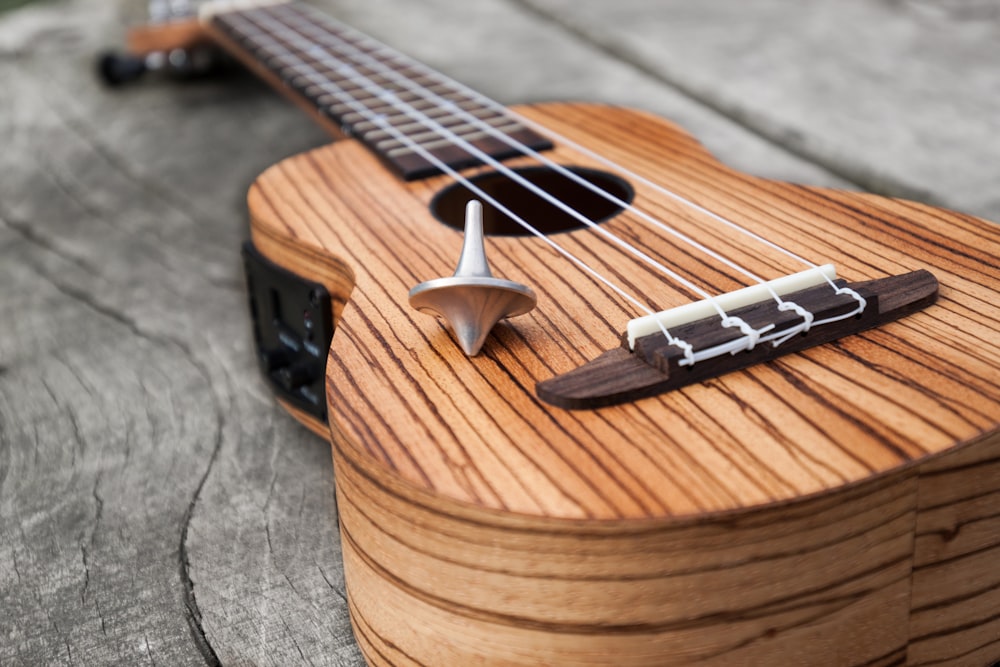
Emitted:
<point x="472" y="301"/>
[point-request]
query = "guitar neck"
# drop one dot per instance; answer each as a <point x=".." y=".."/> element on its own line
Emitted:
<point x="413" y="118"/>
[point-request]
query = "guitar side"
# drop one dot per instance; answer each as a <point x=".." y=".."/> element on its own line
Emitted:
<point x="834" y="506"/>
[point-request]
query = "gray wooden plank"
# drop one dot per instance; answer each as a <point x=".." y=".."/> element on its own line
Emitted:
<point x="89" y="535"/>
<point x="96" y="409"/>
<point x="901" y="97"/>
<point x="128" y="370"/>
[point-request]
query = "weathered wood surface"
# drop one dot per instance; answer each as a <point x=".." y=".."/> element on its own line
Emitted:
<point x="155" y="505"/>
<point x="898" y="96"/>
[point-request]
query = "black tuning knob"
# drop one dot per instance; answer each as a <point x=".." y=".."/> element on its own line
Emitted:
<point x="117" y="69"/>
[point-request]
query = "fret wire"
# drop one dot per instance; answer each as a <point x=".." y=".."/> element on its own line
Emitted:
<point x="457" y="127"/>
<point x="385" y="83"/>
<point x="430" y="134"/>
<point x="444" y="117"/>
<point x="424" y="104"/>
<point x="430" y="83"/>
<point x="392" y="147"/>
<point x="453" y="122"/>
<point x="439" y="143"/>
<point x="408" y="70"/>
<point x="415" y="100"/>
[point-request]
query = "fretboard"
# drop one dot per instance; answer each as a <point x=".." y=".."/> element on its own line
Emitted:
<point x="412" y="117"/>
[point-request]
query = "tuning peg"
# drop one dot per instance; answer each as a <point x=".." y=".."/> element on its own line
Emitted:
<point x="117" y="69"/>
<point x="472" y="301"/>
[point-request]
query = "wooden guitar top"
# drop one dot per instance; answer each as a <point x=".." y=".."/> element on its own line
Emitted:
<point x="403" y="394"/>
<point x="827" y="469"/>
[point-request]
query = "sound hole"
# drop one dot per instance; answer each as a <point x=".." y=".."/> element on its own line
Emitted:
<point x="448" y="205"/>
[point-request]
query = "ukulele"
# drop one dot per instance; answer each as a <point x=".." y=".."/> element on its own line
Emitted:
<point x="594" y="397"/>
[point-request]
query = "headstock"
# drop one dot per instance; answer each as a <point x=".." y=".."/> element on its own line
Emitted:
<point x="172" y="42"/>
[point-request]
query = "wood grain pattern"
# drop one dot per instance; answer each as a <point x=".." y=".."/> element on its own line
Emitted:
<point x="767" y="513"/>
<point x="956" y="585"/>
<point x="180" y="34"/>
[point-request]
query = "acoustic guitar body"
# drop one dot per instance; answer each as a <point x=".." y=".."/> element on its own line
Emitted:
<point x="836" y="506"/>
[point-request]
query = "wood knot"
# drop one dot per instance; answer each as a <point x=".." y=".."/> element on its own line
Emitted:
<point x="950" y="534"/>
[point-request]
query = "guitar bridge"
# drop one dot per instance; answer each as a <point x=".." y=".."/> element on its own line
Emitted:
<point x="652" y="364"/>
<point x="292" y="328"/>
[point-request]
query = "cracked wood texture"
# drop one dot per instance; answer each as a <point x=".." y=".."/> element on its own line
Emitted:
<point x="155" y="505"/>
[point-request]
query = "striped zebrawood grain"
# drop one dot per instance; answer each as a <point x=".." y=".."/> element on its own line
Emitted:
<point x="831" y="507"/>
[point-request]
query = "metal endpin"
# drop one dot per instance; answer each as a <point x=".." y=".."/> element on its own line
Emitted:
<point x="472" y="301"/>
